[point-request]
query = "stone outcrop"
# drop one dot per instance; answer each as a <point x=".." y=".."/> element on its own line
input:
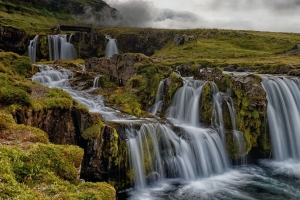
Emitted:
<point x="250" y="103"/>
<point x="106" y="158"/>
<point x="13" y="39"/>
<point x="180" y="39"/>
<point x="63" y="126"/>
<point x="120" y="67"/>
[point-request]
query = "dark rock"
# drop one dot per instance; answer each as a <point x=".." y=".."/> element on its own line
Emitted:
<point x="13" y="39"/>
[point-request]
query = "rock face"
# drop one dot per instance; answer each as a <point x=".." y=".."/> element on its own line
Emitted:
<point x="105" y="157"/>
<point x="63" y="126"/>
<point x="13" y="39"/>
<point x="120" y="67"/>
<point x="251" y="104"/>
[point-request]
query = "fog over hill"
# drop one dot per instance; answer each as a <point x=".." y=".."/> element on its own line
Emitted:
<point x="267" y="15"/>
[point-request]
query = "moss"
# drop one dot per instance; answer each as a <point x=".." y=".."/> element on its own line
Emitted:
<point x="93" y="131"/>
<point x="38" y="172"/>
<point x="15" y="133"/>
<point x="43" y="46"/>
<point x="105" y="82"/>
<point x="81" y="107"/>
<point x="206" y="106"/>
<point x="127" y="102"/>
<point x="176" y="83"/>
<point x="18" y="65"/>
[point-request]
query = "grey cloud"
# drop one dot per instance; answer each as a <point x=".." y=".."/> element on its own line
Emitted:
<point x="263" y="15"/>
<point x="140" y="13"/>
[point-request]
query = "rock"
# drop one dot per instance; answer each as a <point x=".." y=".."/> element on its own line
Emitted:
<point x="182" y="39"/>
<point x="13" y="39"/>
<point x="106" y="159"/>
<point x="294" y="72"/>
<point x="188" y="69"/>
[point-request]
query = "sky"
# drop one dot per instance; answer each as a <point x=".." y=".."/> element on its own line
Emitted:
<point x="261" y="15"/>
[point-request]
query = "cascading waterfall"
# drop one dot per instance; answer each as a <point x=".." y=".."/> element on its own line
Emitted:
<point x="188" y="161"/>
<point x="111" y="47"/>
<point x="157" y="152"/>
<point x="196" y="152"/>
<point x="60" y="48"/>
<point x="32" y="49"/>
<point x="283" y="114"/>
<point x="53" y="78"/>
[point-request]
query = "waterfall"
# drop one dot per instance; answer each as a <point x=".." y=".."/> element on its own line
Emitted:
<point x="238" y="136"/>
<point x="157" y="152"/>
<point x="96" y="82"/>
<point x="53" y="78"/>
<point x="195" y="152"/>
<point x="111" y="47"/>
<point x="32" y="49"/>
<point x="283" y="115"/>
<point x="60" y="48"/>
<point x="185" y="103"/>
<point x="158" y="99"/>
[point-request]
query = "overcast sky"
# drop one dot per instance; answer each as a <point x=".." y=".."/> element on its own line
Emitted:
<point x="264" y="15"/>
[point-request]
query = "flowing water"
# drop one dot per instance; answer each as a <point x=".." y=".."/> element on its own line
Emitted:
<point x="60" y="48"/>
<point x="32" y="49"/>
<point x="111" y="47"/>
<point x="179" y="158"/>
<point x="283" y="95"/>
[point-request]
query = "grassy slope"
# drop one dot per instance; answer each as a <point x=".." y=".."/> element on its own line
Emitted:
<point x="215" y="47"/>
<point x="32" y="20"/>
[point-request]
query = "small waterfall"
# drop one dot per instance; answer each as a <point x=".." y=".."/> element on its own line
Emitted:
<point x="238" y="136"/>
<point x="158" y="99"/>
<point x="50" y="46"/>
<point x="32" y="49"/>
<point x="53" y="78"/>
<point x="111" y="47"/>
<point x="185" y="103"/>
<point x="60" y="48"/>
<point x="96" y="82"/>
<point x="283" y="115"/>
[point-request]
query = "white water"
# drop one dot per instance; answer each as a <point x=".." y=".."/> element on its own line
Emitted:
<point x="111" y="47"/>
<point x="173" y="169"/>
<point x="283" y="117"/>
<point x="96" y="82"/>
<point x="238" y="136"/>
<point x="157" y="106"/>
<point x="196" y="152"/>
<point x="60" y="48"/>
<point x="32" y="49"/>
<point x="60" y="79"/>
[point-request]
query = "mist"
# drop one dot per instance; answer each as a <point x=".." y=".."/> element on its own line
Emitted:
<point x="266" y="15"/>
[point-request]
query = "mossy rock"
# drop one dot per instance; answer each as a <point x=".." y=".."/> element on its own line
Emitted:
<point x="38" y="173"/>
<point x="251" y="102"/>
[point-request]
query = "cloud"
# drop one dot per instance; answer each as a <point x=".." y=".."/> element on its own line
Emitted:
<point x="266" y="15"/>
<point x="141" y="13"/>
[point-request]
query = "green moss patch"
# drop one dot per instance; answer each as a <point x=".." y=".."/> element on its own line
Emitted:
<point x="46" y="172"/>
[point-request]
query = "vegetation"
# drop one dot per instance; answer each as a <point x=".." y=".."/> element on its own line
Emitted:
<point x="31" y="167"/>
